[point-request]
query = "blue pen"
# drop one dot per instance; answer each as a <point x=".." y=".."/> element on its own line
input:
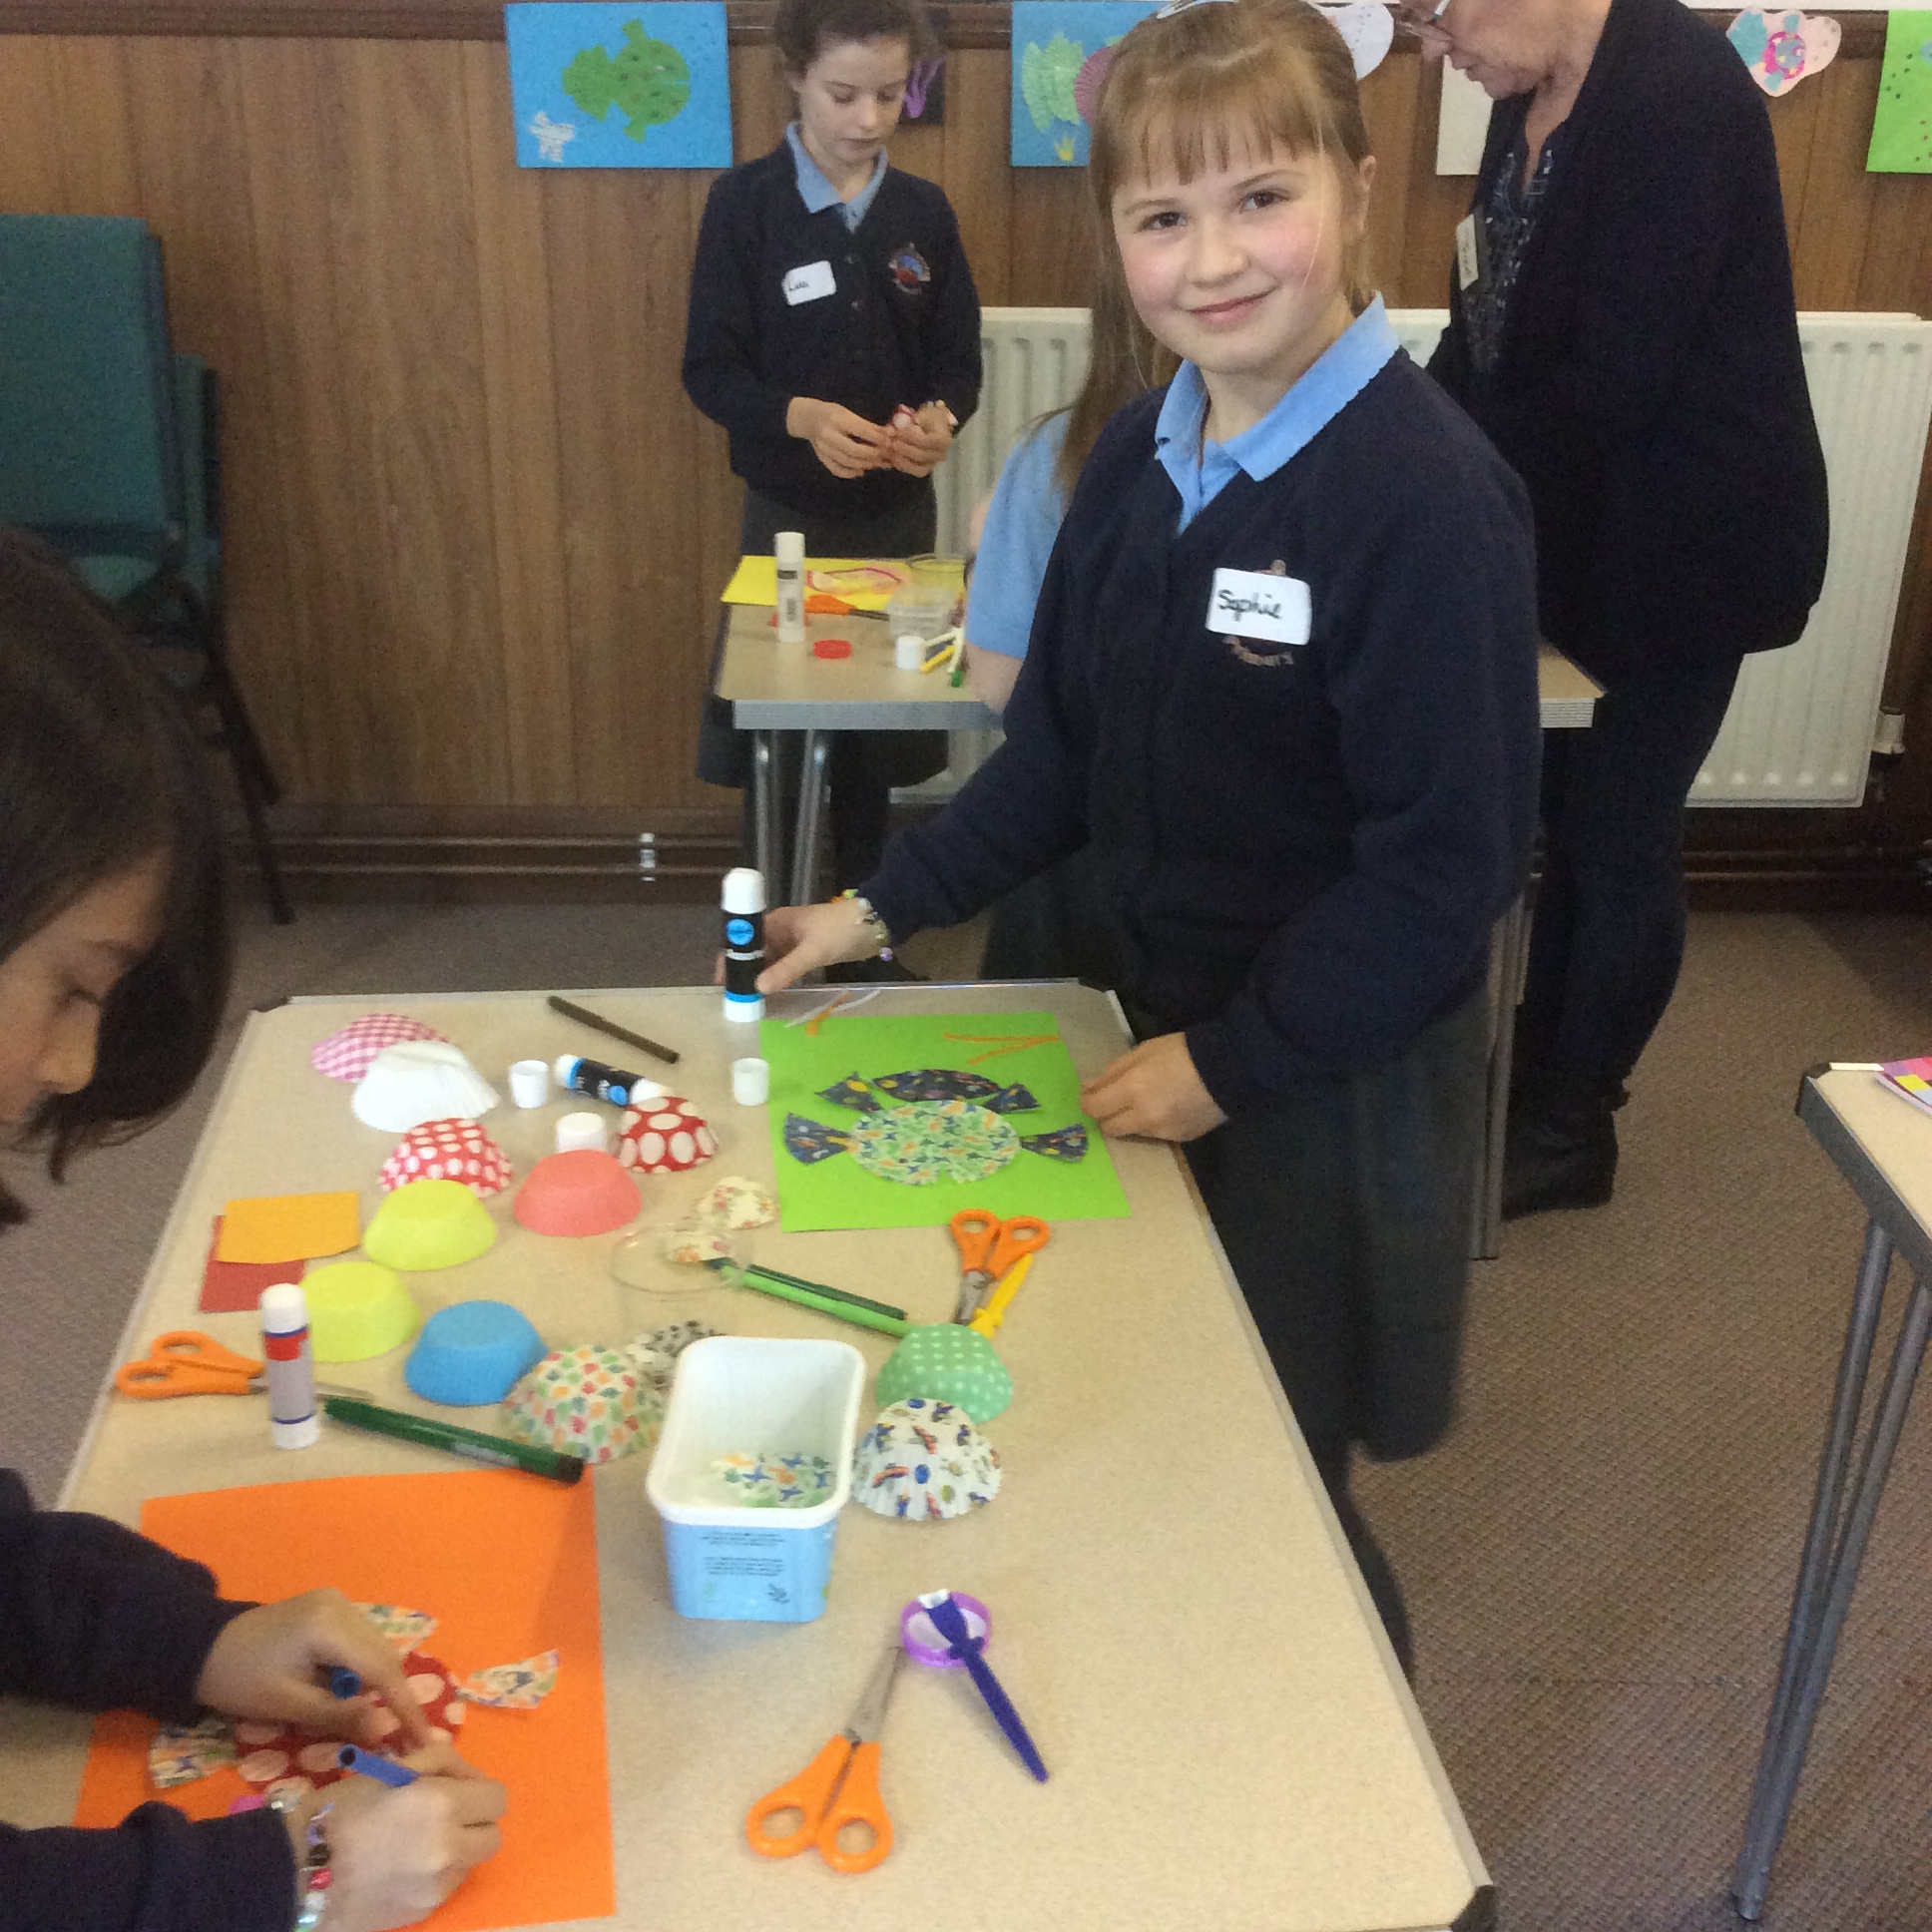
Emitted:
<point x="385" y="1770"/>
<point x="950" y="1625"/>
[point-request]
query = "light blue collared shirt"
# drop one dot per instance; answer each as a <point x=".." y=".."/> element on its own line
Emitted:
<point x="817" y="192"/>
<point x="1333" y="381"/>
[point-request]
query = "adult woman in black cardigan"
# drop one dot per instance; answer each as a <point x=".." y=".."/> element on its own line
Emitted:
<point x="1621" y="324"/>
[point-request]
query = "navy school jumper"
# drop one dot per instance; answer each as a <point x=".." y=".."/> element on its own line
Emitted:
<point x="901" y="325"/>
<point x="94" y="1616"/>
<point x="1304" y="856"/>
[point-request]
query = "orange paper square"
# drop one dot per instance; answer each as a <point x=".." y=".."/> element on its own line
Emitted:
<point x="508" y="1563"/>
<point x="288" y="1228"/>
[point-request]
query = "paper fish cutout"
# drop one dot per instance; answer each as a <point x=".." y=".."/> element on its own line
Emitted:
<point x="1369" y="29"/>
<point x="513" y="1687"/>
<point x="928" y="1083"/>
<point x="1780" y="49"/>
<point x="285" y="1758"/>
<point x="181" y="1754"/>
<point x="1063" y="1144"/>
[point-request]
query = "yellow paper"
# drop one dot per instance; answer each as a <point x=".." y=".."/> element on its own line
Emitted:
<point x="288" y="1228"/>
<point x="864" y="584"/>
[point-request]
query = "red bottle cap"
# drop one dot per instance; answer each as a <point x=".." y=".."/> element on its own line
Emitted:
<point x="831" y="647"/>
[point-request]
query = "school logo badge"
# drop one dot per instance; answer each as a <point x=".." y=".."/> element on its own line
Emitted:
<point x="908" y="269"/>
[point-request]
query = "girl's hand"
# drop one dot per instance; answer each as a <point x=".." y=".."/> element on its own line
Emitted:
<point x="798" y="939"/>
<point x="395" y="1855"/>
<point x="271" y="1662"/>
<point x="1153" y="1092"/>
<point x="846" y="443"/>
<point x="921" y="439"/>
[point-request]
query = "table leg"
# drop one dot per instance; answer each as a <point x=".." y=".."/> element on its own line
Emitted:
<point x="812" y="799"/>
<point x="765" y="804"/>
<point x="1505" y="974"/>
<point x="1835" y="1548"/>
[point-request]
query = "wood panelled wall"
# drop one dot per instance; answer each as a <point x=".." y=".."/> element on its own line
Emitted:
<point x="475" y="530"/>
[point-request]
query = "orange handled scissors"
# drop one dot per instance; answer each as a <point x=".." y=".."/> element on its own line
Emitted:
<point x="838" y="1788"/>
<point x="187" y="1362"/>
<point x="988" y="1246"/>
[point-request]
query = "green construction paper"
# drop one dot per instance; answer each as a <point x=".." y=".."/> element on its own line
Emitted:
<point x="1901" y="142"/>
<point x="838" y="1193"/>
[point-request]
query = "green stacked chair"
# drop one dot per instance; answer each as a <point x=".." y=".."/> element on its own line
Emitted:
<point x="110" y="451"/>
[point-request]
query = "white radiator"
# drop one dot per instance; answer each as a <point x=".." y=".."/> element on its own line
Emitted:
<point x="1800" y="730"/>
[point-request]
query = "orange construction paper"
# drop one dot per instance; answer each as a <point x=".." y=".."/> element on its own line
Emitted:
<point x="288" y="1228"/>
<point x="508" y="1563"/>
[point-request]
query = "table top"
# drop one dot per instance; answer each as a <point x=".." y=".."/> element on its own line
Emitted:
<point x="1231" y="1744"/>
<point x="782" y="687"/>
<point x="774" y="686"/>
<point x="1882" y="1144"/>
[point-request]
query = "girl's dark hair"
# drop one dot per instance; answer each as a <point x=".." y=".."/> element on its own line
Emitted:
<point x="99" y="770"/>
<point x="803" y="29"/>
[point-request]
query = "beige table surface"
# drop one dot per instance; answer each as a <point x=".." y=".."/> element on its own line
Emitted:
<point x="783" y="687"/>
<point x="774" y="686"/>
<point x="1230" y="1742"/>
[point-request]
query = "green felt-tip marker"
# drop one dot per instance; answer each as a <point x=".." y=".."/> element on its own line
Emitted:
<point x="458" y="1441"/>
<point x="788" y="1288"/>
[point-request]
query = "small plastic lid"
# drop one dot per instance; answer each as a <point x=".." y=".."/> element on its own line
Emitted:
<point x="788" y="547"/>
<point x="284" y="1309"/>
<point x="566" y="1068"/>
<point x="922" y="1641"/>
<point x="831" y="646"/>
<point x="743" y="890"/>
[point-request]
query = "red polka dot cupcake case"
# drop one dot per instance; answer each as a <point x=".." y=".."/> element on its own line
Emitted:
<point x="287" y="1757"/>
<point x="451" y="1150"/>
<point x="664" y="1135"/>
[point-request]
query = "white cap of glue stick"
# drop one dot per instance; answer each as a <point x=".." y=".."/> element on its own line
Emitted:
<point x="292" y="1421"/>
<point x="909" y="651"/>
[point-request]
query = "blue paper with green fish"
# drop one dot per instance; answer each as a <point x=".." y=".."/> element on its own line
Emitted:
<point x="887" y="1121"/>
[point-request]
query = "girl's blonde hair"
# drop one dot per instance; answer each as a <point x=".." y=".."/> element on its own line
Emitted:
<point x="1218" y="79"/>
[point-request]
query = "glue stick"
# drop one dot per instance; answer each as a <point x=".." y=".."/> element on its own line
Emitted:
<point x="744" y="908"/>
<point x="293" y="1422"/>
<point x="788" y="550"/>
<point x="576" y="1075"/>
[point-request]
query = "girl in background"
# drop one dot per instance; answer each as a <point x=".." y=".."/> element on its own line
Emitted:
<point x="834" y="332"/>
<point x="1282" y="681"/>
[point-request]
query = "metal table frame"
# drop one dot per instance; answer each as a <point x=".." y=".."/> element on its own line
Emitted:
<point x="1843" y="1506"/>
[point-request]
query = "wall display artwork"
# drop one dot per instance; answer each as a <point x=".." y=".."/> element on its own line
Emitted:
<point x="1901" y="142"/>
<point x="1059" y="53"/>
<point x="625" y="85"/>
<point x="1780" y="49"/>
<point x="896" y="1122"/>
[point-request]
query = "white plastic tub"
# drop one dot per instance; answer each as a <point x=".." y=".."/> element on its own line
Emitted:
<point x="754" y="1395"/>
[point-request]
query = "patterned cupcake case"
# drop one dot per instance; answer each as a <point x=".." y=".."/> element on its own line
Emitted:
<point x="664" y="1135"/>
<point x="923" y="1461"/>
<point x="452" y="1150"/>
<point x="346" y="1053"/>
<point x="593" y="1402"/>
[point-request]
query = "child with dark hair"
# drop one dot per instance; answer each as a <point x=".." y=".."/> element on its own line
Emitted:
<point x="114" y="961"/>
<point x="834" y="333"/>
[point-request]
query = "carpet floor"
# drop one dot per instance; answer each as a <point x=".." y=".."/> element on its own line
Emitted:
<point x="1599" y="1561"/>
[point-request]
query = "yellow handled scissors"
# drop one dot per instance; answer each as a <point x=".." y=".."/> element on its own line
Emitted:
<point x="840" y="1788"/>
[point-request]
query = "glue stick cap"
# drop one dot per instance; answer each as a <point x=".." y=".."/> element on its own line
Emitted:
<point x="789" y="549"/>
<point x="284" y="1309"/>
<point x="743" y="890"/>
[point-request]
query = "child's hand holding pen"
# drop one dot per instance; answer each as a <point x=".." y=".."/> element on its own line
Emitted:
<point x="845" y="442"/>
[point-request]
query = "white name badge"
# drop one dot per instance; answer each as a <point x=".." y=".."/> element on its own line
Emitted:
<point x="1469" y="259"/>
<point x="1257" y="604"/>
<point x="810" y="283"/>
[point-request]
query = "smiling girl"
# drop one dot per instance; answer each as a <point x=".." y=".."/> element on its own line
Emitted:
<point x="834" y="332"/>
<point x="1284" y="679"/>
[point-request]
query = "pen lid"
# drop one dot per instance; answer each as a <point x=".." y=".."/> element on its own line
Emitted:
<point x="789" y="549"/>
<point x="284" y="1309"/>
<point x="743" y="890"/>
